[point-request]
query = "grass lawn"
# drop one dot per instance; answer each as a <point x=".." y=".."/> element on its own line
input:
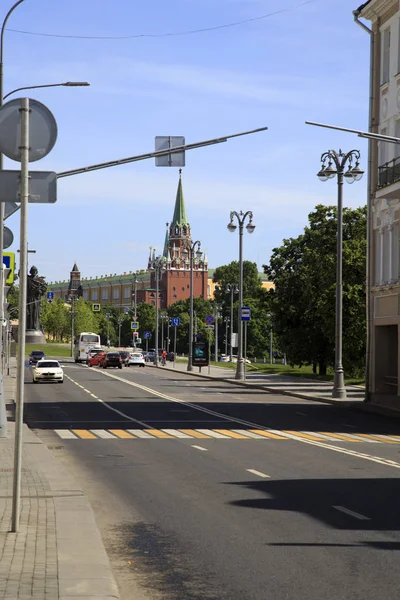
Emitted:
<point x="50" y="349"/>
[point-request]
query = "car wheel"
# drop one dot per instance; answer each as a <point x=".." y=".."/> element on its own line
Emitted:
<point x="119" y="366"/>
<point x="62" y="381"/>
<point x="34" y="381"/>
<point x="104" y="366"/>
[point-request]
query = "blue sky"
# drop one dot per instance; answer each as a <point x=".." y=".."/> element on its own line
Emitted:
<point x="310" y="63"/>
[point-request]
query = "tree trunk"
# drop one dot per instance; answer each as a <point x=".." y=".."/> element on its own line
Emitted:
<point x="322" y="368"/>
<point x="314" y="368"/>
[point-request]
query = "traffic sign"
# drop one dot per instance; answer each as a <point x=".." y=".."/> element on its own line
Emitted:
<point x="245" y="313"/>
<point x="138" y="340"/>
<point x="165" y="142"/>
<point x="96" y="307"/>
<point x="42" y="187"/>
<point x="9" y="263"/>
<point x="209" y="326"/>
<point x="8" y="237"/>
<point x="210" y="319"/>
<point x="135" y="325"/>
<point x="50" y="297"/>
<point x="175" y="321"/>
<point x="146" y="335"/>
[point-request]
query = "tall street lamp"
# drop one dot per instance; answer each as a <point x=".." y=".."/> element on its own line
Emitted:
<point x="72" y="297"/>
<point x="49" y="85"/>
<point x="120" y="320"/>
<point x="191" y="250"/>
<point x="337" y="162"/>
<point x="164" y="317"/>
<point x="157" y="265"/>
<point x="226" y="321"/>
<point x="108" y="317"/>
<point x="231" y="288"/>
<point x="241" y="219"/>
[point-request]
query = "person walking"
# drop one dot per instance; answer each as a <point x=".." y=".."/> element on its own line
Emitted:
<point x="164" y="357"/>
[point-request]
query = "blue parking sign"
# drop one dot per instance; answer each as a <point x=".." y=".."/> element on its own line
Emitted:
<point x="50" y="295"/>
<point x="175" y="321"/>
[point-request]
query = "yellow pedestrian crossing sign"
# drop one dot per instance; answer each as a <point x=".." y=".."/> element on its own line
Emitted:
<point x="96" y="307"/>
<point x="9" y="263"/>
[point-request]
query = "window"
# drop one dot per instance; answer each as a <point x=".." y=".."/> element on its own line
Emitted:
<point x="85" y="294"/>
<point x="127" y="293"/>
<point x="104" y="294"/>
<point x="95" y="295"/>
<point x="173" y="288"/>
<point x="383" y="149"/>
<point x="116" y="293"/>
<point x="385" y="56"/>
<point x="183" y="289"/>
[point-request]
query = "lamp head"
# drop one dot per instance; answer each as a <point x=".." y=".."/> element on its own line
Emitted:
<point x="322" y="176"/>
<point x="348" y="175"/>
<point x="250" y="226"/>
<point x="357" y="172"/>
<point x="231" y="226"/>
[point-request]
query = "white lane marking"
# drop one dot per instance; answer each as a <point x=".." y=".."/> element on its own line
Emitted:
<point x="65" y="434"/>
<point x="214" y="434"/>
<point x="253" y="436"/>
<point x="387" y="437"/>
<point x="359" y="437"/>
<point x="347" y="511"/>
<point x="251" y="425"/>
<point x="302" y="414"/>
<point x="176" y="433"/>
<point x="200" y="448"/>
<point x="323" y="436"/>
<point x="258" y="473"/>
<point x="141" y="434"/>
<point x="103" y="434"/>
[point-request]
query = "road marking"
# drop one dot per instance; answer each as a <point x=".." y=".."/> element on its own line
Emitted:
<point x="159" y="434"/>
<point x="195" y="434"/>
<point x="267" y="434"/>
<point x="352" y="513"/>
<point x="65" y="434"/>
<point x="340" y="436"/>
<point x="232" y="434"/>
<point x="369" y="437"/>
<point x="249" y="434"/>
<point x="303" y="435"/>
<point x="121" y="433"/>
<point x="84" y="434"/>
<point x="254" y="472"/>
<point x="322" y="436"/>
<point x="103" y="434"/>
<point x="200" y="448"/>
<point x="214" y="434"/>
<point x="94" y="396"/>
<point x="141" y="434"/>
<point x="176" y="433"/>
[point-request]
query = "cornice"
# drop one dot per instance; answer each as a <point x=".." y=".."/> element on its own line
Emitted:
<point x="377" y="8"/>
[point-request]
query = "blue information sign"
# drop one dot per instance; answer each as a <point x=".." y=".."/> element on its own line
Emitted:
<point x="50" y="295"/>
<point x="146" y="335"/>
<point x="175" y="321"/>
<point x="245" y="313"/>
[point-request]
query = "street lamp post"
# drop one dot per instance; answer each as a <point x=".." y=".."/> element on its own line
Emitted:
<point x="157" y="265"/>
<point x="226" y="321"/>
<point x="191" y="250"/>
<point x="164" y="317"/>
<point x="108" y="316"/>
<point x="337" y="162"/>
<point x="232" y="289"/>
<point x="48" y="85"/>
<point x="72" y="299"/>
<point x="119" y="331"/>
<point x="241" y="219"/>
<point x="217" y="314"/>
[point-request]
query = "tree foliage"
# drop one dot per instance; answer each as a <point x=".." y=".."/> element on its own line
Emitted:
<point x="303" y="270"/>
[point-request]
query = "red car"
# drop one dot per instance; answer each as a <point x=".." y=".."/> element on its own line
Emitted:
<point x="94" y="359"/>
<point x="111" y="359"/>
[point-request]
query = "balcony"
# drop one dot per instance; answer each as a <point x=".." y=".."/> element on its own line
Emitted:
<point x="389" y="173"/>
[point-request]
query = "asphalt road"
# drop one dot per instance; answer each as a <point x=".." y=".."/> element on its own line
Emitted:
<point x="300" y="503"/>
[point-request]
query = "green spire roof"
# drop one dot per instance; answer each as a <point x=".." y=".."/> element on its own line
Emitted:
<point x="166" y="242"/>
<point x="179" y="217"/>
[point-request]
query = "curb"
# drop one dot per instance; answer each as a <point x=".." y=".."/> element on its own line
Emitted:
<point x="358" y="404"/>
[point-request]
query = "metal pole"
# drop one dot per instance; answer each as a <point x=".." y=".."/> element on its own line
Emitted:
<point x="157" y="273"/>
<point x="162" y="332"/>
<point x="19" y="416"/>
<point x="339" y="390"/>
<point x="72" y="325"/>
<point x="190" y="357"/>
<point x="209" y="351"/>
<point x="119" y="332"/>
<point x="239" y="366"/>
<point x="174" y="345"/>
<point x="231" y="356"/>
<point x="216" y="334"/>
<point x="135" y="297"/>
<point x="245" y="348"/>
<point x="168" y="323"/>
<point x="226" y="335"/>
<point x="147" y="345"/>
<point x="270" y="345"/>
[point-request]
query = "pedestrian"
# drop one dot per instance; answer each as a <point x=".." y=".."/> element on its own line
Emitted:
<point x="164" y="357"/>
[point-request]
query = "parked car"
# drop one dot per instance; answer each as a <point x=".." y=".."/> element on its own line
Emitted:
<point x="170" y="356"/>
<point x="111" y="359"/>
<point x="93" y="352"/>
<point x="224" y="358"/>
<point x="35" y="356"/>
<point x="94" y="359"/>
<point x="136" y="359"/>
<point x="47" y="370"/>
<point x="125" y="357"/>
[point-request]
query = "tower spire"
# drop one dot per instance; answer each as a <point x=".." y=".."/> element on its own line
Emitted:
<point x="179" y="219"/>
<point x="166" y="242"/>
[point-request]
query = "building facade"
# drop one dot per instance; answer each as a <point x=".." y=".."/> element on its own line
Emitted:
<point x="383" y="354"/>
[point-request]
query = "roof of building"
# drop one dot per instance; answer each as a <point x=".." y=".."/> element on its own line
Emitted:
<point x="360" y="8"/>
<point x="89" y="281"/>
<point x="179" y="217"/>
<point x="166" y="242"/>
<point x="75" y="268"/>
<point x="262" y="276"/>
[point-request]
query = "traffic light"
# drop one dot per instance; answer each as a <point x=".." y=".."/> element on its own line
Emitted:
<point x="135" y="335"/>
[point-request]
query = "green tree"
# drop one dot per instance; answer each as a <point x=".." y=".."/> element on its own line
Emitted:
<point x="85" y="319"/>
<point x="13" y="300"/>
<point x="303" y="270"/>
<point x="56" y="319"/>
<point x="146" y="315"/>
<point x="252" y="285"/>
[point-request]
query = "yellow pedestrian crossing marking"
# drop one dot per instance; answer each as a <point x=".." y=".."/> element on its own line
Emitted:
<point x="223" y="434"/>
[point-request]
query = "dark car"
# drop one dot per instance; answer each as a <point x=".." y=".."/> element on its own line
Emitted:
<point x="125" y="357"/>
<point x="35" y="356"/>
<point x="170" y="356"/>
<point x="111" y="359"/>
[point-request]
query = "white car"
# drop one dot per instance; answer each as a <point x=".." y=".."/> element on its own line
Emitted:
<point x="47" y="370"/>
<point x="136" y="358"/>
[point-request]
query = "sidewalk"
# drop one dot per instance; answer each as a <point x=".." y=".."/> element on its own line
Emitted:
<point x="299" y="387"/>
<point x="58" y="553"/>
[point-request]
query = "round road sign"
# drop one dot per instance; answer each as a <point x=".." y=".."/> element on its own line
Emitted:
<point x="42" y="130"/>
<point x="8" y="238"/>
<point x="210" y="319"/>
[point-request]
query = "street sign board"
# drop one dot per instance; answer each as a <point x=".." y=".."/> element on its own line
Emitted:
<point x="209" y="326"/>
<point x="8" y="237"/>
<point x="200" y="354"/>
<point x="146" y="335"/>
<point x="138" y="340"/>
<point x="175" y="321"/>
<point x="50" y="297"/>
<point x="135" y="325"/>
<point x="9" y="263"/>
<point x="96" y="307"/>
<point x="165" y="142"/>
<point x="245" y="313"/>
<point x="10" y="208"/>
<point x="210" y="319"/>
<point x="42" y="186"/>
<point x="234" y="340"/>
<point x="42" y="130"/>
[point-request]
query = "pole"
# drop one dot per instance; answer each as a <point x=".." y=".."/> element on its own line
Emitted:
<point x="226" y="335"/>
<point x="162" y="332"/>
<point x="216" y="333"/>
<point x="119" y="332"/>
<point x="168" y="324"/>
<point x="147" y="346"/>
<point x="157" y="273"/>
<point x="209" y="351"/>
<point x="245" y="348"/>
<point x="339" y="390"/>
<point x="19" y="416"/>
<point x="174" y="345"/>
<point x="270" y="344"/>
<point x="190" y="357"/>
<point x="231" y="355"/>
<point x="72" y="325"/>
<point x="239" y="366"/>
